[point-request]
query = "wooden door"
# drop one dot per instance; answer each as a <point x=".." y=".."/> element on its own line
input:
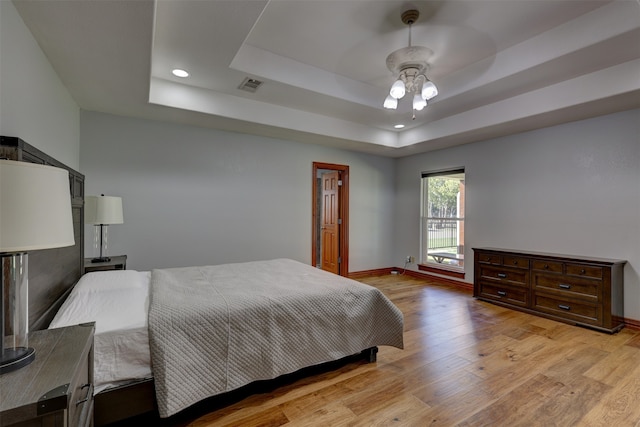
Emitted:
<point x="329" y="221"/>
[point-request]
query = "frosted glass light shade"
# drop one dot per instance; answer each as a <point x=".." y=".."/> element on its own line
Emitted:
<point x="429" y="90"/>
<point x="397" y="89"/>
<point x="418" y="102"/>
<point x="103" y="210"/>
<point x="390" y="102"/>
<point x="35" y="207"/>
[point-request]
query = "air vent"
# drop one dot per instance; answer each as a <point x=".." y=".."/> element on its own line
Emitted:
<point x="250" y="85"/>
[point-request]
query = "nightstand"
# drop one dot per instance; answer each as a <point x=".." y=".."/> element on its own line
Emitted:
<point x="118" y="262"/>
<point x="57" y="387"/>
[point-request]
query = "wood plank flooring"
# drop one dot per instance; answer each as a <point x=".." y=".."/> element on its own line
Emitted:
<point x="465" y="363"/>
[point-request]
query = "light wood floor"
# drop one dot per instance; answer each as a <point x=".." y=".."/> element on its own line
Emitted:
<point x="465" y="363"/>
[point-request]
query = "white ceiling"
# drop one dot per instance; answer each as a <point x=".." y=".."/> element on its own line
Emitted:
<point x="501" y="66"/>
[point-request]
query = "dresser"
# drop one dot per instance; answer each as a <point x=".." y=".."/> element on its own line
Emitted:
<point x="56" y="389"/>
<point x="579" y="290"/>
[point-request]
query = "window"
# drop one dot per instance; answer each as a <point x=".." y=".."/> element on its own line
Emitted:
<point x="442" y="219"/>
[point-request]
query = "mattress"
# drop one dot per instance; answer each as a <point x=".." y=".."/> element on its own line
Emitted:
<point x="118" y="302"/>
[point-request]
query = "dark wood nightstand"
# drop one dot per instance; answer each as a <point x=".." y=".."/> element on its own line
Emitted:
<point x="55" y="389"/>
<point x="118" y="262"/>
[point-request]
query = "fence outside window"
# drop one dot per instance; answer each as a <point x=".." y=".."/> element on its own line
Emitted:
<point x="443" y="237"/>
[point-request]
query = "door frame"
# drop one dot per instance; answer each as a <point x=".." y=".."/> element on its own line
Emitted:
<point x="343" y="212"/>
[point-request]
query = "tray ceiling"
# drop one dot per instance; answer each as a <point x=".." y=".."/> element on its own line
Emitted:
<point x="500" y="66"/>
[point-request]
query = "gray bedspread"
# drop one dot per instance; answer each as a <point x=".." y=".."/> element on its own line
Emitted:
<point x="214" y="329"/>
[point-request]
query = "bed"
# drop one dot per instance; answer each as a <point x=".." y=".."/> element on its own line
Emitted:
<point x="204" y="331"/>
<point x="120" y="302"/>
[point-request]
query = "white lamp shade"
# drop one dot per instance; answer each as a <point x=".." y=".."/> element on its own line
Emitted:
<point x="429" y="90"/>
<point x="397" y="89"/>
<point x="418" y="102"/>
<point x="103" y="210"/>
<point x="390" y="102"/>
<point x="35" y="207"/>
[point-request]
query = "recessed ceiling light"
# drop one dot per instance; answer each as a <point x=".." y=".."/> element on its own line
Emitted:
<point x="180" y="73"/>
<point x="398" y="126"/>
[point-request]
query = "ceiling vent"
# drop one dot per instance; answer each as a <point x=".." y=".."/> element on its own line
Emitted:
<point x="250" y="85"/>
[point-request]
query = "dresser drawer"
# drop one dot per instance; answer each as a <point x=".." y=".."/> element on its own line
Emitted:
<point x="547" y="265"/>
<point x="569" y="287"/>
<point x="507" y="276"/>
<point x="516" y="262"/>
<point x="512" y="295"/>
<point x="582" y="312"/>
<point x="494" y="259"/>
<point x="582" y="270"/>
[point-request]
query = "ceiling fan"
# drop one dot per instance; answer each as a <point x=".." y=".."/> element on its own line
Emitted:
<point x="410" y="64"/>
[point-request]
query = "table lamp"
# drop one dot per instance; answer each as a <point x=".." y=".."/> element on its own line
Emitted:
<point x="102" y="211"/>
<point x="35" y="213"/>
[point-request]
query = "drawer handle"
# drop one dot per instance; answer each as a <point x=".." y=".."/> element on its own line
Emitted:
<point x="502" y="275"/>
<point x="502" y="293"/>
<point x="546" y="266"/>
<point x="564" y="307"/>
<point x="88" y="395"/>
<point x="564" y="286"/>
<point x="515" y="262"/>
<point x="583" y="271"/>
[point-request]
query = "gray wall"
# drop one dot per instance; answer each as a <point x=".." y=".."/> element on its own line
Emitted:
<point x="196" y="196"/>
<point x="569" y="189"/>
<point x="34" y="104"/>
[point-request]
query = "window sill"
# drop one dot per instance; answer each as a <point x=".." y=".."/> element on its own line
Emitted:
<point x="444" y="270"/>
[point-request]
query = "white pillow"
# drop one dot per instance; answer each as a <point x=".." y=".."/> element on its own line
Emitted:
<point x="111" y="280"/>
<point x="115" y="300"/>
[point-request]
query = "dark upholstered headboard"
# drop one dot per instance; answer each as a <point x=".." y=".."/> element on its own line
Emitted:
<point x="52" y="272"/>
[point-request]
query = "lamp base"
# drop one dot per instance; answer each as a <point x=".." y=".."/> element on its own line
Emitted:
<point x="16" y="358"/>
<point x="103" y="259"/>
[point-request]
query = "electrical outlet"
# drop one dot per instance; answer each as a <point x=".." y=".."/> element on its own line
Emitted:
<point x="408" y="259"/>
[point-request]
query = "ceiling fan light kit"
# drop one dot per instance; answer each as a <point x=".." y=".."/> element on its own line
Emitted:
<point x="410" y="64"/>
<point x="390" y="102"/>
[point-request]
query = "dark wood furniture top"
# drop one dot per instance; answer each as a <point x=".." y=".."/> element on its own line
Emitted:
<point x="52" y="272"/>
<point x="585" y="291"/>
<point x="118" y="262"/>
<point x="57" y="387"/>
